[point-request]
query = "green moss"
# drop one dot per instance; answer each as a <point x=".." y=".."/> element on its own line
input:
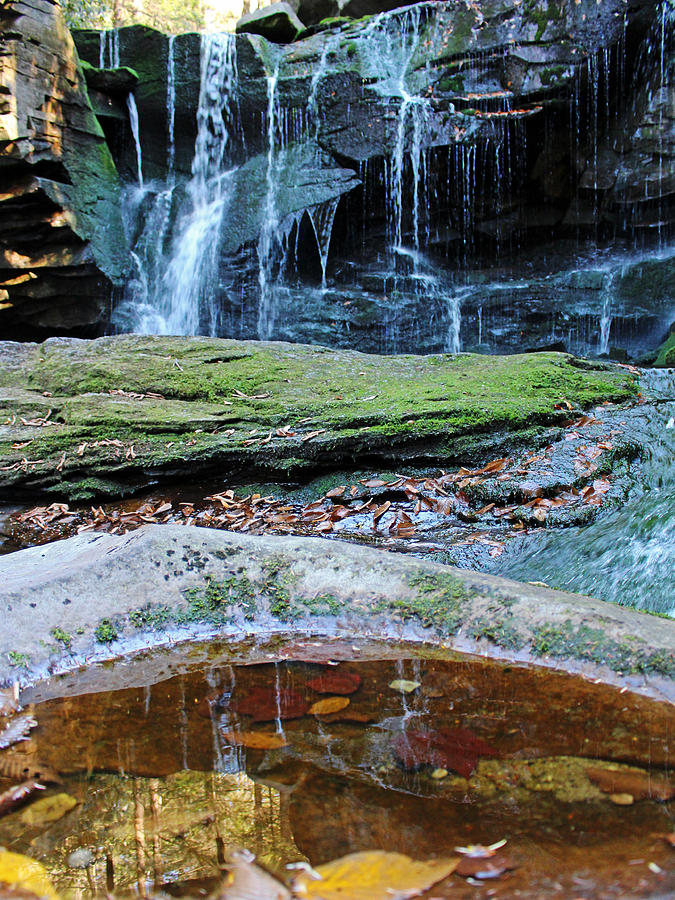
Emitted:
<point x="499" y="631"/>
<point x="321" y="604"/>
<point x="451" y="84"/>
<point x="566" y="641"/>
<point x="106" y="632"/>
<point x="666" y="355"/>
<point x="551" y="74"/>
<point x="279" y="580"/>
<point x="437" y="602"/>
<point x="151" y="616"/>
<point x="62" y="637"/>
<point x="18" y="660"/>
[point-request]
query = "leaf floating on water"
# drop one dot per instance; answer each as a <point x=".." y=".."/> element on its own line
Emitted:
<point x="268" y="704"/>
<point x="641" y="785"/>
<point x="373" y="875"/>
<point x="25" y="874"/>
<point x="15" y="796"/>
<point x="448" y="748"/>
<point x="328" y="706"/>
<point x="341" y="682"/>
<point x="404" y="686"/>
<point x="255" y="740"/>
<point x="48" y="809"/>
<point x="484" y="867"/>
<point x="622" y="799"/>
<point x="16" y="731"/>
<point x="245" y="880"/>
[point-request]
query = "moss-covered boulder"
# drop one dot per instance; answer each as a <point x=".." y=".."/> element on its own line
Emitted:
<point x="666" y="354"/>
<point x="106" y="417"/>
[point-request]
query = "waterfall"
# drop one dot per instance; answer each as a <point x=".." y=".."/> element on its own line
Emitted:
<point x="270" y="226"/>
<point x="389" y="45"/>
<point x="136" y="133"/>
<point x="171" y="110"/>
<point x="177" y="285"/>
<point x="606" y="313"/>
<point x="322" y="218"/>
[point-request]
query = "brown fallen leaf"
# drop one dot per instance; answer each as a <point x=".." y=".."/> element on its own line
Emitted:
<point x="245" y="880"/>
<point x="16" y="731"/>
<point x="484" y="868"/>
<point x="328" y="705"/>
<point x="373" y="875"/>
<point x="337" y="491"/>
<point x="255" y="740"/>
<point x="9" y="699"/>
<point x="640" y="785"/>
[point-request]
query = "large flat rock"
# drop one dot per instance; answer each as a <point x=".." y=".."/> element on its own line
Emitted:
<point x="112" y="416"/>
<point x="95" y="595"/>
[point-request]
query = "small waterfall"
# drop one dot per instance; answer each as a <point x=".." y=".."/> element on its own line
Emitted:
<point x="606" y="313"/>
<point x="270" y="226"/>
<point x="177" y="282"/>
<point x="171" y="110"/>
<point x="136" y="133"/>
<point x="322" y="218"/>
<point x="389" y="45"/>
<point x="313" y="115"/>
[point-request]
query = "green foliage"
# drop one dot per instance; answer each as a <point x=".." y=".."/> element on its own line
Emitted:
<point x="20" y="660"/>
<point x="62" y="637"/>
<point x="174" y="16"/>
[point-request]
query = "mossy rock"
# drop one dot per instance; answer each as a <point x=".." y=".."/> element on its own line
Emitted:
<point x="123" y="410"/>
<point x="666" y="353"/>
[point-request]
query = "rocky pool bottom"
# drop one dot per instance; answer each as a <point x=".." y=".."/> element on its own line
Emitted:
<point x="329" y="748"/>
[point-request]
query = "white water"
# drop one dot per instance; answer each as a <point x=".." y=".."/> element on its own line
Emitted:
<point x="322" y="218"/>
<point x="136" y="134"/>
<point x="270" y="225"/>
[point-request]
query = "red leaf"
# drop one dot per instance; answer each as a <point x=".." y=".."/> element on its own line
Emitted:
<point x="335" y="683"/>
<point x="449" y="748"/>
<point x="267" y="704"/>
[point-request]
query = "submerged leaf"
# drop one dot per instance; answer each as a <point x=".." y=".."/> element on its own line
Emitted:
<point x="373" y="875"/>
<point x="268" y="704"/>
<point x="342" y="682"/>
<point x="448" y="748"/>
<point x="255" y="740"/>
<point x="328" y="706"/>
<point x="48" y="809"/>
<point x="245" y="880"/>
<point x="640" y="785"/>
<point x="12" y="798"/>
<point x="404" y="686"/>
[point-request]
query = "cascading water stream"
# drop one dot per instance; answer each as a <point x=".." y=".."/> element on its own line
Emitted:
<point x="171" y="111"/>
<point x="322" y="218"/>
<point x="268" y="239"/>
<point x="136" y="133"/>
<point x="176" y="290"/>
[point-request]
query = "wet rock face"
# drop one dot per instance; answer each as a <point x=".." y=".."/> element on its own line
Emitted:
<point x="61" y="240"/>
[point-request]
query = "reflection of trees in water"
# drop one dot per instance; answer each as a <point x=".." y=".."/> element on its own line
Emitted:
<point x="150" y="830"/>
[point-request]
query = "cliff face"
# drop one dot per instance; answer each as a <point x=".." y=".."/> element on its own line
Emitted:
<point x="62" y="247"/>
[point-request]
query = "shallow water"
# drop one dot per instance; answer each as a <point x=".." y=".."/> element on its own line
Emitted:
<point x="164" y="785"/>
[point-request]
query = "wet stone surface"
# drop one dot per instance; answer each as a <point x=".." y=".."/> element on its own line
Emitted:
<point x="168" y="775"/>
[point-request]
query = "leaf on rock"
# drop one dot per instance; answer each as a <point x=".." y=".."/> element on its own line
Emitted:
<point x="255" y="740"/>
<point x="48" y="809"/>
<point x="448" y="748"/>
<point x="268" y="704"/>
<point x="373" y="875"/>
<point x="641" y="785"/>
<point x="16" y="731"/>
<point x="341" y="682"/>
<point x="26" y="874"/>
<point x="9" y="700"/>
<point x="328" y="706"/>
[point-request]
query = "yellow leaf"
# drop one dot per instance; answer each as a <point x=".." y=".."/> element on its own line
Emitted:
<point x="22" y="872"/>
<point x="255" y="740"/>
<point x="328" y="706"/>
<point x="373" y="875"/>
<point x="48" y="809"/>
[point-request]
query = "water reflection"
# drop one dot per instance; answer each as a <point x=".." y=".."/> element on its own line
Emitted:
<point x="167" y="778"/>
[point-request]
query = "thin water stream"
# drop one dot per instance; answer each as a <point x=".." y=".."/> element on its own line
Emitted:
<point x="421" y="755"/>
